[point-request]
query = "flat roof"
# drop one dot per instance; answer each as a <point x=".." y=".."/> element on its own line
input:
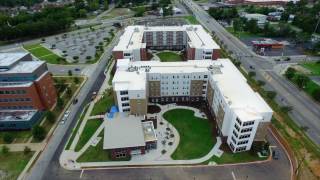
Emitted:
<point x="124" y="80"/>
<point x="231" y="83"/>
<point x="17" y="115"/>
<point x="123" y="131"/>
<point x="23" y="67"/>
<point x="133" y="36"/>
<point x="7" y="59"/>
<point x="148" y="131"/>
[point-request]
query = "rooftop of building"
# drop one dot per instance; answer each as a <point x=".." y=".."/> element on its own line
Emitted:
<point x="133" y="36"/>
<point x="17" y="115"/>
<point x="8" y="59"/>
<point x="148" y="131"/>
<point x="123" y="131"/>
<point x="23" y="67"/>
<point x="232" y="84"/>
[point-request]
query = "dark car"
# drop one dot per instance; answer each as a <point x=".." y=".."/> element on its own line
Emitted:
<point x="75" y="101"/>
<point x="275" y="154"/>
<point x="77" y="69"/>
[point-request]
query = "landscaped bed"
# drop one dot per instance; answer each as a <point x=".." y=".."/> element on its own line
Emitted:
<point x="13" y="163"/>
<point x="90" y="128"/>
<point x="196" y="139"/>
<point x="169" y="56"/>
<point x="228" y="157"/>
<point x="313" y="67"/>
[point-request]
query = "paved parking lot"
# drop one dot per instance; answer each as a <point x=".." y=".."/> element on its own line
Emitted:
<point x="82" y="44"/>
<point x="289" y="50"/>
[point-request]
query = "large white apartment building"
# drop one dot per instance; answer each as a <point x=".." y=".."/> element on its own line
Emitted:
<point x="193" y="39"/>
<point x="242" y="115"/>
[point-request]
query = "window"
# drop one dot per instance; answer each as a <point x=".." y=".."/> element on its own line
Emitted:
<point x="234" y="133"/>
<point x="123" y="92"/>
<point x="246" y="130"/>
<point x="234" y="141"/>
<point x="238" y="120"/>
<point x="205" y="76"/>
<point x="244" y="136"/>
<point x="124" y="98"/>
<point x="248" y="123"/>
<point x="126" y="110"/>
<point x="237" y="127"/>
<point x="125" y="104"/>
<point x="243" y="142"/>
<point x="242" y="148"/>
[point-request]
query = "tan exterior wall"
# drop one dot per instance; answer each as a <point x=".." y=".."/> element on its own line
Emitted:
<point x="154" y="88"/>
<point x="261" y="131"/>
<point x="210" y="95"/>
<point x="196" y="87"/>
<point x="138" y="106"/>
<point x="220" y="116"/>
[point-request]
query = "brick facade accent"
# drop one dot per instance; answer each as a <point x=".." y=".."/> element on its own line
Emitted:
<point x="215" y="54"/>
<point x="46" y="90"/>
<point x="117" y="54"/>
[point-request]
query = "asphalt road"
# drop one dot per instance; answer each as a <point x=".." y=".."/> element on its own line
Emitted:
<point x="62" y="132"/>
<point x="306" y="112"/>
<point x="274" y="169"/>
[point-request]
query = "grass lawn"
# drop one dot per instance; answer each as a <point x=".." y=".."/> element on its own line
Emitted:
<point x="75" y="130"/>
<point x="97" y="154"/>
<point x="236" y="158"/>
<point x="44" y="54"/>
<point x="195" y="134"/>
<point x="116" y="12"/>
<point x="103" y="104"/>
<point x="169" y="56"/>
<point x="91" y="127"/>
<point x="313" y="67"/>
<point x="241" y="34"/>
<point x="20" y="136"/>
<point x="192" y="20"/>
<point x="13" y="163"/>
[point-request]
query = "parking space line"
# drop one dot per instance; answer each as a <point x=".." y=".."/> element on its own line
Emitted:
<point x="233" y="176"/>
<point x="81" y="173"/>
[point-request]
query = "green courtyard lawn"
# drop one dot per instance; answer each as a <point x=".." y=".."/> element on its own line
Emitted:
<point x="116" y="12"/>
<point x="19" y="136"/>
<point x="313" y="67"/>
<point x="168" y="56"/>
<point x="75" y="130"/>
<point x="13" y="163"/>
<point x="228" y="158"/>
<point x="196" y="139"/>
<point x="103" y="104"/>
<point x="90" y="128"/>
<point x="45" y="54"/>
<point x="192" y="20"/>
<point x="98" y="154"/>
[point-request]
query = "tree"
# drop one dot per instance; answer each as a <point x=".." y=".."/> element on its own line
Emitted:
<point x="50" y="116"/>
<point x="252" y="73"/>
<point x="26" y="150"/>
<point x="76" y="80"/>
<point x="252" y="26"/>
<point x="60" y="103"/>
<point x="106" y="5"/>
<point x="69" y="92"/>
<point x="38" y="132"/>
<point x="286" y="109"/>
<point x="8" y="138"/>
<point x="316" y="94"/>
<point x="261" y="83"/>
<point x="271" y="94"/>
<point x="289" y="74"/>
<point x="82" y="13"/>
<point x="301" y="80"/>
<point x="5" y="150"/>
<point x="69" y="72"/>
<point x="237" y="24"/>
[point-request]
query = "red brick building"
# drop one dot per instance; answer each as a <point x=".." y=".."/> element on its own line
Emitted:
<point x="25" y="84"/>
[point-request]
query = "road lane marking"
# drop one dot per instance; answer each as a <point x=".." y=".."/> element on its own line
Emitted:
<point x="233" y="176"/>
<point x="81" y="173"/>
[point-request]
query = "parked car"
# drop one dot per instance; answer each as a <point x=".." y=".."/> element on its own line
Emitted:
<point x="77" y="69"/>
<point x="275" y="154"/>
<point x="75" y="101"/>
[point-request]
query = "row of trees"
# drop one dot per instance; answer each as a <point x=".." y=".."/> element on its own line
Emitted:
<point x="49" y="21"/>
<point x="302" y="82"/>
<point x="13" y="3"/>
<point x="226" y="14"/>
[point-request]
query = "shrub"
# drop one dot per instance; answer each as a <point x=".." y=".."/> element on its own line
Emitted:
<point x="26" y="150"/>
<point x="38" y="132"/>
<point x="8" y="138"/>
<point x="50" y="116"/>
<point x="75" y="57"/>
<point x="271" y="94"/>
<point x="5" y="150"/>
<point x="252" y="73"/>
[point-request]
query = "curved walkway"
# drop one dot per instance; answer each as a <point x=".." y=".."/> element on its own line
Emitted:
<point x="68" y="158"/>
